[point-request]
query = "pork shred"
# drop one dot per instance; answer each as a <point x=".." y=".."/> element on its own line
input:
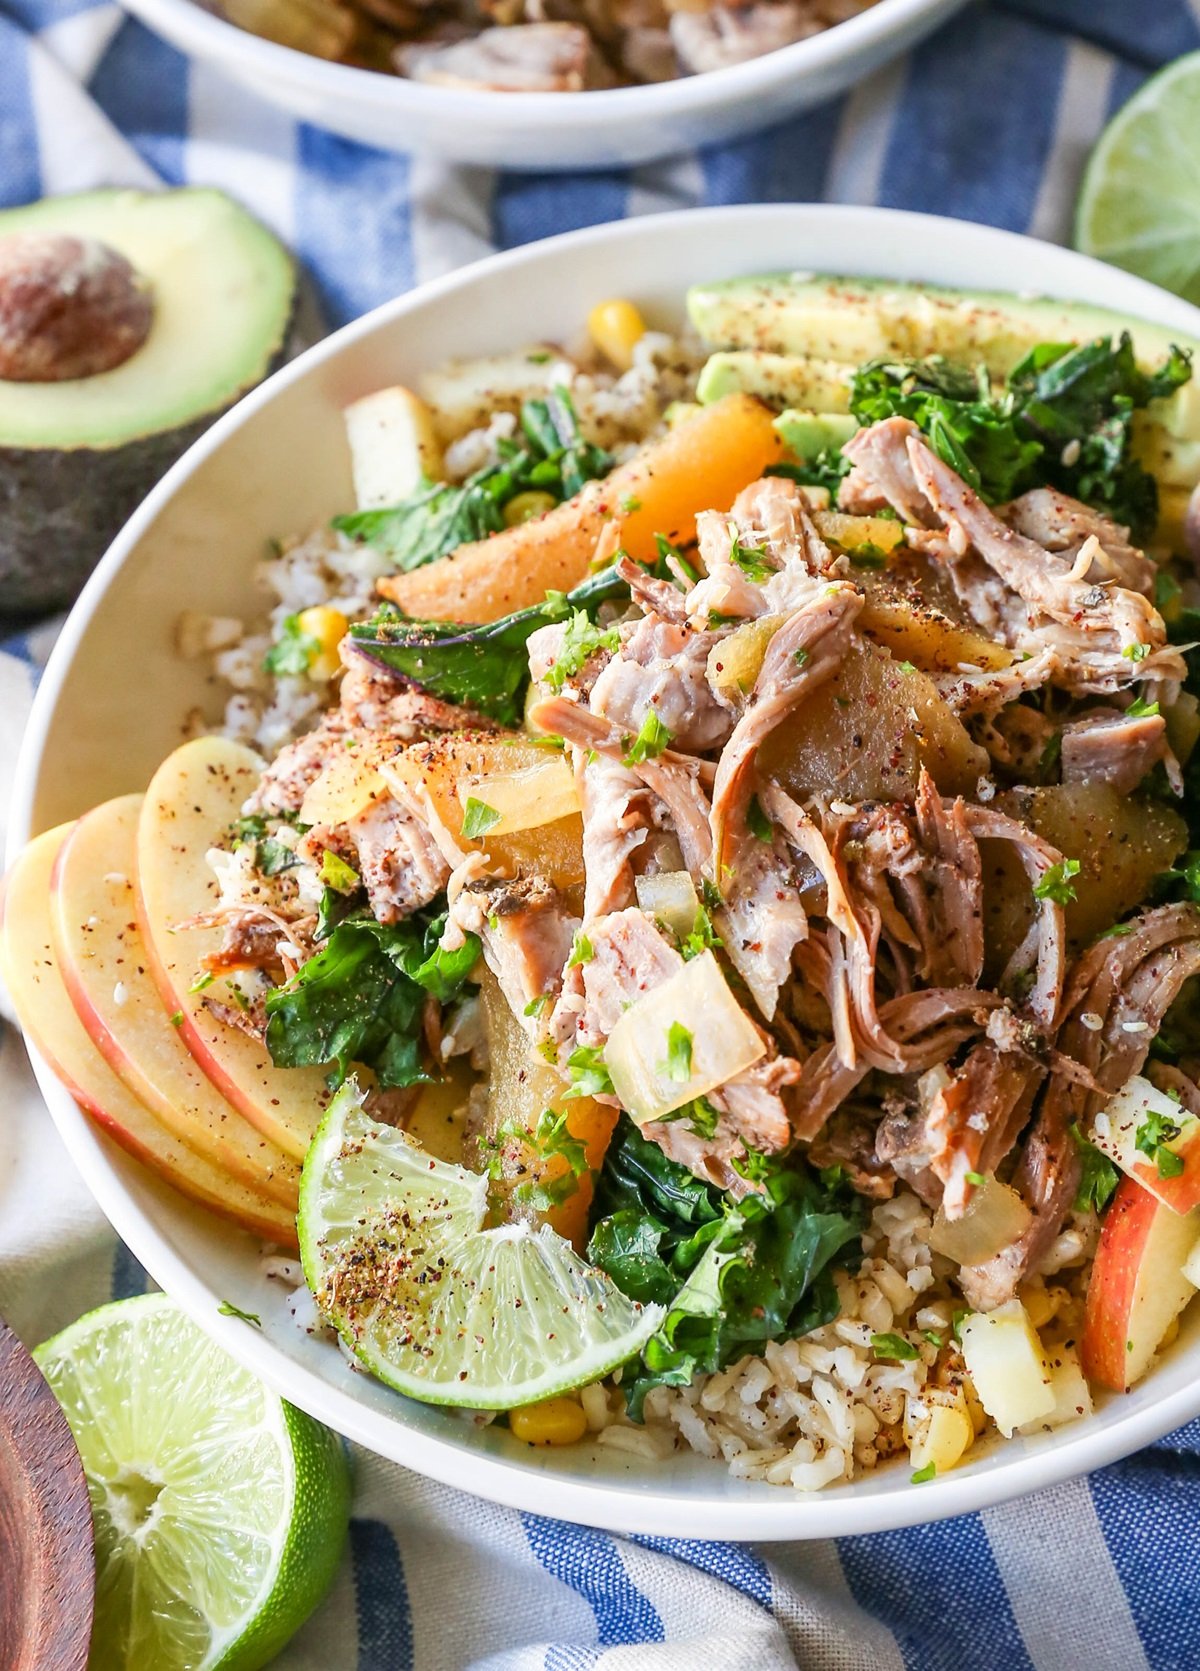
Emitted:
<point x="899" y="1041"/>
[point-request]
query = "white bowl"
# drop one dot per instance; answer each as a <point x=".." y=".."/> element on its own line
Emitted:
<point x="114" y="697"/>
<point x="555" y="131"/>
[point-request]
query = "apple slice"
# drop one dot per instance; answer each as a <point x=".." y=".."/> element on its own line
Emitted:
<point x="102" y="958"/>
<point x="40" y="998"/>
<point x="1115" y="1130"/>
<point x="193" y="799"/>
<point x="1137" y="1286"/>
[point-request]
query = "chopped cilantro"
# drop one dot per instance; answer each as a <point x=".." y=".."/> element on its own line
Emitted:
<point x="203" y="979"/>
<point x="228" y="1309"/>
<point x="1153" y="1139"/>
<point x="1138" y="709"/>
<point x="1098" y="1178"/>
<point x="757" y="821"/>
<point x="582" y="951"/>
<point x="893" y="1346"/>
<point x="478" y="818"/>
<point x="177" y="1019"/>
<point x="976" y="1178"/>
<point x="538" y="1006"/>
<point x="271" y="857"/>
<point x="928" y="1472"/>
<point x="678" y="1065"/>
<point x="702" y="937"/>
<point x="800" y="657"/>
<point x="1136" y="652"/>
<point x="293" y="652"/>
<point x="651" y="740"/>
<point x="588" y="1071"/>
<point x="337" y="874"/>
<point x="1056" y="883"/>
<point x="751" y="559"/>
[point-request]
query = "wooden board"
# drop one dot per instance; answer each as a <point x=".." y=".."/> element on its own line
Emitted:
<point x="47" y="1563"/>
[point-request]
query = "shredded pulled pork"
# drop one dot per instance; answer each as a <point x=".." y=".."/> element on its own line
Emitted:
<point x="906" y="948"/>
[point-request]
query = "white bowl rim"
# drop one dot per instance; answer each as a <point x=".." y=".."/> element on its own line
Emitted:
<point x="779" y="1514"/>
<point x="208" y="34"/>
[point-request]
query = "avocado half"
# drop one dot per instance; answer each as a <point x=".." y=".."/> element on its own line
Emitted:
<point x="188" y="293"/>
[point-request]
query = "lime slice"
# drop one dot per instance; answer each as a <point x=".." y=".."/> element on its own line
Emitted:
<point x="428" y="1300"/>
<point x="220" y="1511"/>
<point x="1140" y="203"/>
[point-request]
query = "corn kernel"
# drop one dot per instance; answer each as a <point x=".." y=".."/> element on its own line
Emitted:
<point x="523" y="507"/>
<point x="616" y="327"/>
<point x="1039" y="1303"/>
<point x="942" y="1439"/>
<point x="328" y="626"/>
<point x="556" y="1421"/>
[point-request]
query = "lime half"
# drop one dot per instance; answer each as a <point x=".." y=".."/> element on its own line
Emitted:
<point x="1140" y="203"/>
<point x="396" y="1253"/>
<point x="220" y="1511"/>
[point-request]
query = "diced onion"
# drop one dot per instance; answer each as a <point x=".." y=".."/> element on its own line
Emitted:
<point x="672" y="898"/>
<point x="735" y="662"/>
<point x="527" y="797"/>
<point x="993" y="1218"/>
<point x="724" y="1041"/>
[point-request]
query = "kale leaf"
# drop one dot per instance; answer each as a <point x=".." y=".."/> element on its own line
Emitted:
<point x="360" y="999"/>
<point x="732" y="1276"/>
<point x="1064" y="420"/>
<point x="553" y="457"/>
<point x="483" y="667"/>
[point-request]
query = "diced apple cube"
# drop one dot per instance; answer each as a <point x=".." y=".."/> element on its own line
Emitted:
<point x="1005" y="1360"/>
<point x="1115" y="1133"/>
<point x="393" y="447"/>
<point x="938" y="1429"/>
<point x="1072" y="1396"/>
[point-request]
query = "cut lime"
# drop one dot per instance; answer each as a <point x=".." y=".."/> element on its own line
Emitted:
<point x="430" y="1301"/>
<point x="1140" y="203"/>
<point x="220" y="1511"/>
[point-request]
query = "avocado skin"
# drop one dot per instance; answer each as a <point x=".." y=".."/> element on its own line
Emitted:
<point x="60" y="511"/>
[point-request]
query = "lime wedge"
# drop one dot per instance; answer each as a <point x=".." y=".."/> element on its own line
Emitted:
<point x="220" y="1511"/>
<point x="396" y="1253"/>
<point x="1140" y="203"/>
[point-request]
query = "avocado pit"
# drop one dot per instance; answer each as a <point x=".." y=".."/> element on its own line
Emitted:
<point x="69" y="308"/>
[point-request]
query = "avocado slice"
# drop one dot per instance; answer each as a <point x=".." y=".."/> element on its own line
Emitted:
<point x="807" y="434"/>
<point x="200" y="296"/>
<point x="779" y="379"/>
<point x="852" y="320"/>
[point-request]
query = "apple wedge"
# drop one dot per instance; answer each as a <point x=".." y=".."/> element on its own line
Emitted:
<point x="40" y="998"/>
<point x="1137" y="1287"/>
<point x="193" y="799"/>
<point x="1137" y="1107"/>
<point x="102" y="958"/>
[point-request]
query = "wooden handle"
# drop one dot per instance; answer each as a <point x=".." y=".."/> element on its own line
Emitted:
<point x="47" y="1559"/>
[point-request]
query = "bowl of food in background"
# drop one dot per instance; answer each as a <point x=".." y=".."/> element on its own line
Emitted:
<point x="512" y="85"/>
<point x="841" y="1335"/>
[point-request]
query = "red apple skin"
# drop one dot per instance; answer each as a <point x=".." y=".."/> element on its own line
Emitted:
<point x="1181" y="1193"/>
<point x="1102" y="1349"/>
<point x="47" y="1017"/>
<point x="1126" y="1316"/>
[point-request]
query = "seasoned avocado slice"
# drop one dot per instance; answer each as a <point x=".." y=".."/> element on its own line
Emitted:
<point x="852" y="320"/>
<point x="128" y="322"/>
<point x="806" y="434"/>
<point x="779" y="379"/>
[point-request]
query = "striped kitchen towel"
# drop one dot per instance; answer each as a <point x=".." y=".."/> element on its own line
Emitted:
<point x="989" y="120"/>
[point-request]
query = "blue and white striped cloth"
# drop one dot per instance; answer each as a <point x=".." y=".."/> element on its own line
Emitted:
<point x="990" y="120"/>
